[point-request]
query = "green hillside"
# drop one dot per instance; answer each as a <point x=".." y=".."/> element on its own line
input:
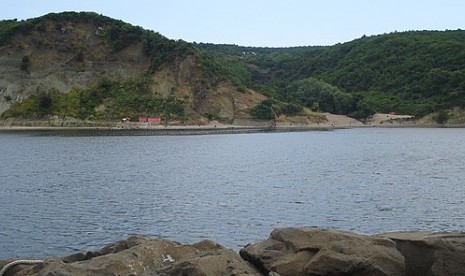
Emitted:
<point x="116" y="33"/>
<point x="411" y="73"/>
<point x="94" y="46"/>
<point x="88" y="66"/>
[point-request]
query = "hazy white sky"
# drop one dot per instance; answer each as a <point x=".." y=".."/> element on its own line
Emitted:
<point x="268" y="23"/>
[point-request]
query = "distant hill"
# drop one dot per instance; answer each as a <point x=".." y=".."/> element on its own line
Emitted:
<point x="411" y="73"/>
<point x="91" y="67"/>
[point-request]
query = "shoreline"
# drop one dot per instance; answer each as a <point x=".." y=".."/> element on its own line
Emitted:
<point x="175" y="129"/>
<point x="85" y="131"/>
<point x="334" y="122"/>
<point x="209" y="128"/>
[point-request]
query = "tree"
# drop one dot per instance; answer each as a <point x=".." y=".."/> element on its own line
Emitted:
<point x="442" y="117"/>
<point x="322" y="96"/>
<point x="364" y="110"/>
<point x="263" y="110"/>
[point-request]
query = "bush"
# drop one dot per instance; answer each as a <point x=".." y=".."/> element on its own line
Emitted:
<point x="290" y="109"/>
<point x="321" y="96"/>
<point x="442" y="117"/>
<point x="264" y="110"/>
<point x="25" y="63"/>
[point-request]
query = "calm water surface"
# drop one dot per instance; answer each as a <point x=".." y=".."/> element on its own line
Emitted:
<point x="63" y="193"/>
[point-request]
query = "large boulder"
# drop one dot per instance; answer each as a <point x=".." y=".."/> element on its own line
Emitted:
<point x="142" y="256"/>
<point x="288" y="251"/>
<point x="428" y="253"/>
<point x="316" y="251"/>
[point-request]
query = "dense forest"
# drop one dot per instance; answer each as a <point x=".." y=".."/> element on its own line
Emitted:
<point x="410" y="73"/>
<point x="417" y="73"/>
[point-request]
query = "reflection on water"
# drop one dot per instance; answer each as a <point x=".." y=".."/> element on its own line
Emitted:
<point x="65" y="193"/>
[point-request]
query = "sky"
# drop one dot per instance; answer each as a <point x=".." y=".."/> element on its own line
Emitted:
<point x="261" y="23"/>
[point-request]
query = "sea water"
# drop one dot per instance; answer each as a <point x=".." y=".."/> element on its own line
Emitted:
<point x="62" y="193"/>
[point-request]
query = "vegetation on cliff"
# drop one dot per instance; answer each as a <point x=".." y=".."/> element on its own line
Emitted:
<point x="107" y="96"/>
<point x="411" y="73"/>
<point x="116" y="33"/>
<point x="105" y="100"/>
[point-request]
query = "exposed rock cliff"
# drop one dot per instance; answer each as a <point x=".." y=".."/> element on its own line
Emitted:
<point x="67" y="51"/>
<point x="62" y="55"/>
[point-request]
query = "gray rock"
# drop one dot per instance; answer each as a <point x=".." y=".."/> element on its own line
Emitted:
<point x="143" y="256"/>
<point x="428" y="253"/>
<point x="288" y="251"/>
<point x="313" y="251"/>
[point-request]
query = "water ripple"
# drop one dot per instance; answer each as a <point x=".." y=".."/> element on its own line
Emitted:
<point x="66" y="193"/>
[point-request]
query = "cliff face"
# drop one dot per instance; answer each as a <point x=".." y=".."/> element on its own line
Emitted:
<point x="70" y="56"/>
<point x="74" y="51"/>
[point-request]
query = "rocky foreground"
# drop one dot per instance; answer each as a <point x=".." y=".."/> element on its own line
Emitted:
<point x="288" y="251"/>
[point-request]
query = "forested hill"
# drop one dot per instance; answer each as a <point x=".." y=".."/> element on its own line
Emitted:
<point x="411" y="72"/>
<point x="91" y="67"/>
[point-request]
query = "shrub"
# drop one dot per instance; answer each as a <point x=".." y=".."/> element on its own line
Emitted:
<point x="442" y="117"/>
<point x="25" y="63"/>
<point x="264" y="110"/>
